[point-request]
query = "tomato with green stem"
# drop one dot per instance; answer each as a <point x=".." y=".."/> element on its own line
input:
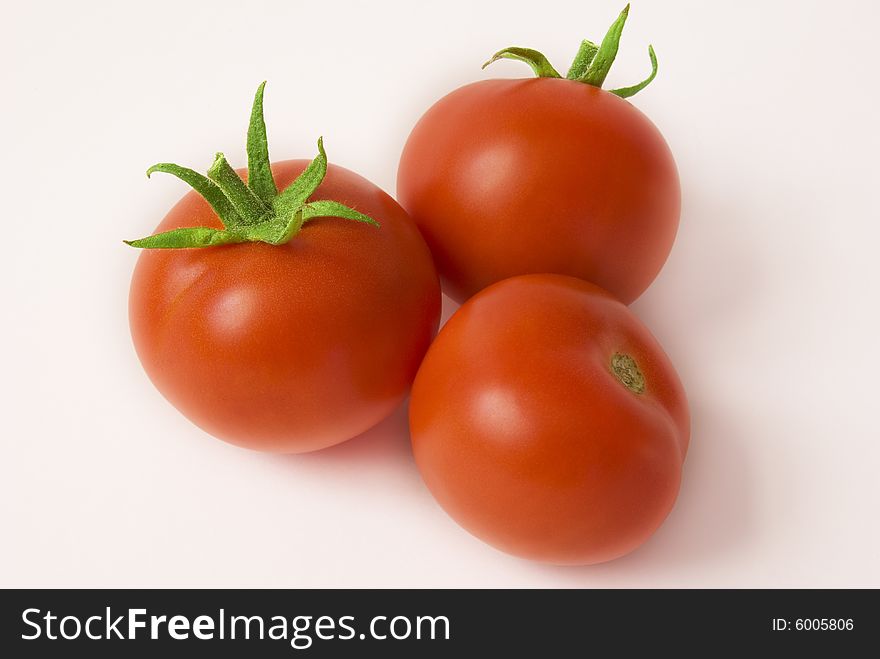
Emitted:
<point x="552" y="174"/>
<point x="548" y="422"/>
<point x="286" y="313"/>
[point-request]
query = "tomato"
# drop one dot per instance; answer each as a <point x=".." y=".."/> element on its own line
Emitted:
<point x="517" y="176"/>
<point x="285" y="308"/>
<point x="548" y="422"/>
<point x="289" y="347"/>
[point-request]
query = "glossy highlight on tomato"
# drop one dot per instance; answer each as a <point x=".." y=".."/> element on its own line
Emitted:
<point x="548" y="421"/>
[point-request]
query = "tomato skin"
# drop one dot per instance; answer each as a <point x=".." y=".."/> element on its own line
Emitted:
<point x="526" y="437"/>
<point x="508" y="177"/>
<point x="294" y="347"/>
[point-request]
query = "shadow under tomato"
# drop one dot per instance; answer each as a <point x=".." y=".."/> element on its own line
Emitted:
<point x="713" y="514"/>
<point x="700" y="303"/>
<point x="387" y="441"/>
<point x="450" y="306"/>
<point x="383" y="449"/>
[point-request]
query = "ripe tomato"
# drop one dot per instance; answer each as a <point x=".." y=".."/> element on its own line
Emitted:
<point x="552" y="174"/>
<point x="289" y="347"/>
<point x="548" y="422"/>
<point x="272" y="329"/>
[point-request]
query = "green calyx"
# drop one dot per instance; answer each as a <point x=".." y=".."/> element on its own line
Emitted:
<point x="590" y="65"/>
<point x="254" y="211"/>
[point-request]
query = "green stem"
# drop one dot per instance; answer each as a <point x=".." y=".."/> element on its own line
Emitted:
<point x="248" y="205"/>
<point x="582" y="60"/>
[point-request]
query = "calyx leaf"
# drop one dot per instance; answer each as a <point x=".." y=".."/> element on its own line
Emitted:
<point x="204" y="186"/>
<point x="539" y="63"/>
<point x="260" y="177"/>
<point x="186" y="237"/>
<point x="626" y="92"/>
<point x="604" y="58"/>
<point x="295" y="194"/>
<point x="254" y="211"/>
<point x="591" y="64"/>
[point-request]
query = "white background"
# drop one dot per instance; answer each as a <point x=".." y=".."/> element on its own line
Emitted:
<point x="768" y="304"/>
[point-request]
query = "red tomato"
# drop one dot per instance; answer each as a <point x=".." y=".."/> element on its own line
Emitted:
<point x="508" y="177"/>
<point x="548" y="422"/>
<point x="289" y="347"/>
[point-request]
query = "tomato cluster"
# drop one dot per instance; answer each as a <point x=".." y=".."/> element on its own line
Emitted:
<point x="292" y="306"/>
